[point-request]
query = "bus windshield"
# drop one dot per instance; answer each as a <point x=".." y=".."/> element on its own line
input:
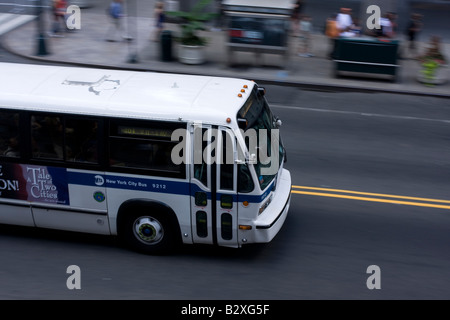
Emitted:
<point x="260" y="120"/>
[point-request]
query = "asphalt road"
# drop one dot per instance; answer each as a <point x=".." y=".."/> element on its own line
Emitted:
<point x="367" y="170"/>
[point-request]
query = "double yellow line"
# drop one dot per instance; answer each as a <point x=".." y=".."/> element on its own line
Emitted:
<point x="373" y="197"/>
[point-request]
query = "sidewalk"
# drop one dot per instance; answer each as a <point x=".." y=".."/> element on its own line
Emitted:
<point x="88" y="47"/>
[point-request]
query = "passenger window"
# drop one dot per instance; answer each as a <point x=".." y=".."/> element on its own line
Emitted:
<point x="9" y="134"/>
<point x="47" y="137"/>
<point x="81" y="140"/>
<point x="145" y="154"/>
<point x="145" y="145"/>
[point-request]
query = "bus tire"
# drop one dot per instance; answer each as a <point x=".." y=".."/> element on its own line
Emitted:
<point x="149" y="231"/>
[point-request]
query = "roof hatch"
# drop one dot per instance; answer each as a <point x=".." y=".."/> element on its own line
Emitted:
<point x="96" y="82"/>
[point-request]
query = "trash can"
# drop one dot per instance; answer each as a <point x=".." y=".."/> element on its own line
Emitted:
<point x="166" y="45"/>
<point x="367" y="55"/>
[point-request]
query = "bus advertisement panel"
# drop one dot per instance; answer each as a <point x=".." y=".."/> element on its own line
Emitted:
<point x="34" y="183"/>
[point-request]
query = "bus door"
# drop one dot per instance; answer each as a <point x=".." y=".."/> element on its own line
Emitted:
<point x="213" y="186"/>
<point x="201" y="185"/>
<point x="226" y="195"/>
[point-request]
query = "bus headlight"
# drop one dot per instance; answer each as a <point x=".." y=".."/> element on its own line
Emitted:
<point x="265" y="205"/>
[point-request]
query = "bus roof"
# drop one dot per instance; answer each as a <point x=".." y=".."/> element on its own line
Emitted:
<point x="115" y="93"/>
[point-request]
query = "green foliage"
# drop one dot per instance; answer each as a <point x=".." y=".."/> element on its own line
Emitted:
<point x="192" y="22"/>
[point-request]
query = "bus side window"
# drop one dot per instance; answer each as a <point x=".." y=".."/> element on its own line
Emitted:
<point x="81" y="139"/>
<point x="142" y="153"/>
<point x="9" y="134"/>
<point x="47" y="137"/>
<point x="144" y="145"/>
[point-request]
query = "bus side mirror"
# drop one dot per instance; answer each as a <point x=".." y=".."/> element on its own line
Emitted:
<point x="242" y="123"/>
<point x="277" y="122"/>
<point x="262" y="91"/>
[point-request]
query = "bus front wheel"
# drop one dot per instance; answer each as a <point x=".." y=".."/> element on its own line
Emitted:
<point x="150" y="233"/>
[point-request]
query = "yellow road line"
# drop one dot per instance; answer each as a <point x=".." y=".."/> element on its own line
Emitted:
<point x="409" y="203"/>
<point x="372" y="194"/>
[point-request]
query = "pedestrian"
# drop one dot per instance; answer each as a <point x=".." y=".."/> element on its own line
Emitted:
<point x="115" y="13"/>
<point x="356" y="28"/>
<point x="160" y="19"/>
<point x="332" y="32"/>
<point x="59" y="13"/>
<point x="387" y="29"/>
<point x="414" y="27"/>
<point x="393" y="17"/>
<point x="295" y="17"/>
<point x="344" y="21"/>
<point x="433" y="51"/>
<point x="219" y="22"/>
<point x="305" y="36"/>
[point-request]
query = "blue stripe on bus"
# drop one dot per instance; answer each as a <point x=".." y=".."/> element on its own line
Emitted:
<point x="151" y="185"/>
<point x="84" y="179"/>
<point x="128" y="183"/>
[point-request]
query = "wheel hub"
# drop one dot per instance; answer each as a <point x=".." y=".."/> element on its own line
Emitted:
<point x="148" y="230"/>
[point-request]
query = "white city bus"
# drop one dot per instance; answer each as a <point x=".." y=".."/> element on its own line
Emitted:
<point x="99" y="151"/>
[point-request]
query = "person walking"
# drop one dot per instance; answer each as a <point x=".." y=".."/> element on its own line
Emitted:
<point x="295" y="17"/>
<point x="413" y="28"/>
<point x="344" y="21"/>
<point x="59" y="13"/>
<point x="160" y="19"/>
<point x="305" y="36"/>
<point x="332" y="32"/>
<point x="115" y="13"/>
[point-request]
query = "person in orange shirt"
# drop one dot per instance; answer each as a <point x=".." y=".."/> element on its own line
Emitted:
<point x="332" y="32"/>
<point x="59" y="12"/>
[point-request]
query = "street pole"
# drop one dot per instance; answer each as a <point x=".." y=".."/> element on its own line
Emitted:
<point x="41" y="40"/>
<point x="132" y="39"/>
